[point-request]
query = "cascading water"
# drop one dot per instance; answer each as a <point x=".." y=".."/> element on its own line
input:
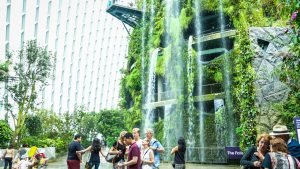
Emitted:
<point x="198" y="28"/>
<point x="173" y="127"/>
<point x="191" y="126"/>
<point x="227" y="82"/>
<point x="144" y="9"/>
<point x="151" y="89"/>
<point x="150" y="86"/>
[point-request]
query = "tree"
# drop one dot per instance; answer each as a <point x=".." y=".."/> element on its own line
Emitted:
<point x="33" y="125"/>
<point x="5" y="133"/>
<point x="4" y="70"/>
<point x="32" y="69"/>
<point x="111" y="123"/>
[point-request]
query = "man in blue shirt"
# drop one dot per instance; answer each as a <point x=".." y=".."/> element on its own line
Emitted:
<point x="282" y="132"/>
<point x="155" y="146"/>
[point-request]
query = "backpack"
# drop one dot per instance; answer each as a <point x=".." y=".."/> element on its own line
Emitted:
<point x="282" y="161"/>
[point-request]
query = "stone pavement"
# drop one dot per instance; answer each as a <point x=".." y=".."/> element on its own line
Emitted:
<point x="61" y="164"/>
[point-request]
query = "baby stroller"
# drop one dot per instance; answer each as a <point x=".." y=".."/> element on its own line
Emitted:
<point x="39" y="159"/>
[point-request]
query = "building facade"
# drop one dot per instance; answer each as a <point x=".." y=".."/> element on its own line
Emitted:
<point x="89" y="44"/>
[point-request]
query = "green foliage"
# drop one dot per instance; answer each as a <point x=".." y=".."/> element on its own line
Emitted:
<point x="160" y="66"/>
<point x="186" y="17"/>
<point x="4" y="70"/>
<point x="131" y="85"/>
<point x="110" y="124"/>
<point x="33" y="125"/>
<point x="290" y="71"/>
<point x="213" y="71"/>
<point x="243" y="14"/>
<point x="159" y="130"/>
<point x="5" y="134"/>
<point x="32" y="68"/>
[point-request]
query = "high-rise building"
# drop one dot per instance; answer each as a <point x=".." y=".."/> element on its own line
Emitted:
<point x="90" y="47"/>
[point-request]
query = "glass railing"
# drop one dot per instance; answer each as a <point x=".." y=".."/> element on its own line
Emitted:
<point x="126" y="3"/>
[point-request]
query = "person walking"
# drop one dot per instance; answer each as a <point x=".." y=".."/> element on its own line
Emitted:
<point x="119" y="149"/>
<point x="281" y="131"/>
<point x="95" y="150"/>
<point x="179" y="151"/>
<point x="254" y="156"/>
<point x="155" y="146"/>
<point x="134" y="154"/>
<point x="74" y="159"/>
<point x="8" y="156"/>
<point x="147" y="155"/>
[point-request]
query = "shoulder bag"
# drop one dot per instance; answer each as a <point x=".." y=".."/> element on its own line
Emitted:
<point x="111" y="157"/>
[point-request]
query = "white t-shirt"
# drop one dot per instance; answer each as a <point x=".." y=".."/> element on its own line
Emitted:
<point x="139" y="144"/>
<point x="23" y="164"/>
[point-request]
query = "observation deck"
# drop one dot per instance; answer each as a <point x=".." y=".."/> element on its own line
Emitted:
<point x="125" y="10"/>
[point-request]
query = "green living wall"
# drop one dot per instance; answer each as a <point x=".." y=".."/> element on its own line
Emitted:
<point x="243" y="14"/>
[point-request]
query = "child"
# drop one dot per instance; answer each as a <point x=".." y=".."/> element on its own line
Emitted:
<point x="24" y="163"/>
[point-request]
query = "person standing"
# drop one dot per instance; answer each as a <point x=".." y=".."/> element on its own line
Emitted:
<point x="8" y="156"/>
<point x="179" y="152"/>
<point x="254" y="156"/>
<point x="279" y="157"/>
<point x="95" y="150"/>
<point x="134" y="154"/>
<point x="155" y="146"/>
<point x="281" y="131"/>
<point x="137" y="137"/>
<point x="147" y="155"/>
<point x="119" y="149"/>
<point x="23" y="150"/>
<point x="74" y="159"/>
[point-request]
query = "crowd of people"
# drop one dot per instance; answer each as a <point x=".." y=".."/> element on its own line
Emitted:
<point x="130" y="151"/>
<point x="276" y="150"/>
<point x="21" y="160"/>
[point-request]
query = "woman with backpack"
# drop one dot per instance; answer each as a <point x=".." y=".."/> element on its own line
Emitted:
<point x="279" y="157"/>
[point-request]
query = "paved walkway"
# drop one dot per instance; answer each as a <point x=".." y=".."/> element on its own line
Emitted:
<point x="61" y="164"/>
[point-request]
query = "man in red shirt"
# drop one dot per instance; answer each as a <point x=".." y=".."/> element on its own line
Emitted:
<point x="134" y="154"/>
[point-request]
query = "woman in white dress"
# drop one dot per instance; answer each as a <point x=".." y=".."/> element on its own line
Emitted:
<point x="147" y="155"/>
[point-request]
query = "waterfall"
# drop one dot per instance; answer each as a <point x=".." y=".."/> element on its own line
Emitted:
<point x="198" y="27"/>
<point x="151" y="89"/>
<point x="174" y="68"/>
<point x="144" y="9"/>
<point x="191" y="126"/>
<point x="227" y="83"/>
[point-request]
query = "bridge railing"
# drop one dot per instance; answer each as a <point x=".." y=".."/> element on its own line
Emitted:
<point x="206" y="89"/>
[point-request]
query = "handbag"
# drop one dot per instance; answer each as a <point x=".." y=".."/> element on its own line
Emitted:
<point x="111" y="157"/>
<point x="87" y="165"/>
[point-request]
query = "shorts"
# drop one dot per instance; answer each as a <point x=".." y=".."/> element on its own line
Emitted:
<point x="73" y="164"/>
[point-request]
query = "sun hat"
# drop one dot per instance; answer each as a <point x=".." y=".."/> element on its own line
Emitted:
<point x="280" y="130"/>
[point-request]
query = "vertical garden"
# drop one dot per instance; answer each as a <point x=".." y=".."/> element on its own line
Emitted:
<point x="205" y="83"/>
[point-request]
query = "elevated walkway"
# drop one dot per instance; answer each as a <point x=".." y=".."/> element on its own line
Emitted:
<point x="214" y="36"/>
<point x="126" y="12"/>
<point x="206" y="97"/>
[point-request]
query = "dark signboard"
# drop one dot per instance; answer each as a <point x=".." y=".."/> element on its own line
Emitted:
<point x="233" y="153"/>
<point x="297" y="127"/>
